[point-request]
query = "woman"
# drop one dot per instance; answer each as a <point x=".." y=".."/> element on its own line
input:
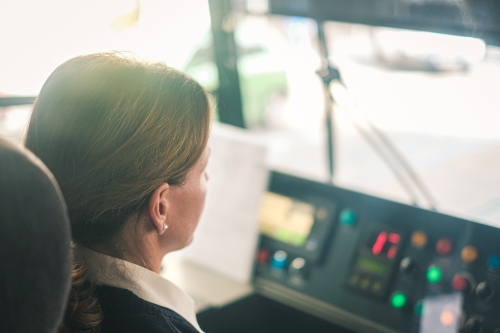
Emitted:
<point x="127" y="142"/>
<point x="34" y="245"/>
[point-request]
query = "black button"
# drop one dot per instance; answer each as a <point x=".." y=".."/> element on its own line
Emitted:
<point x="484" y="291"/>
<point x="473" y="325"/>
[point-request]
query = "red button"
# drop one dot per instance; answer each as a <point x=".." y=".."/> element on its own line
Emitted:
<point x="444" y="246"/>
<point x="263" y="256"/>
<point x="459" y="283"/>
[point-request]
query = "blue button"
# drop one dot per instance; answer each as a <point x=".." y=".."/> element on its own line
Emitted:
<point x="279" y="260"/>
<point x="347" y="217"/>
<point x="494" y="262"/>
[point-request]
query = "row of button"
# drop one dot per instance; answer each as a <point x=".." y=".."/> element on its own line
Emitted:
<point x="461" y="281"/>
<point x="444" y="247"/>
<point x="483" y="290"/>
<point x="367" y="283"/>
<point x="279" y="261"/>
<point x="408" y="264"/>
<point x="419" y="240"/>
<point x="493" y="262"/>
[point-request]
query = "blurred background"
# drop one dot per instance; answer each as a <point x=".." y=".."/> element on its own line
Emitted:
<point x="434" y="97"/>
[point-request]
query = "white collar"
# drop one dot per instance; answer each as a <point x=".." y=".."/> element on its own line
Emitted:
<point x="146" y="284"/>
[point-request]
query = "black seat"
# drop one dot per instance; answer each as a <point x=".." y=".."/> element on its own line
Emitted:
<point x="35" y="239"/>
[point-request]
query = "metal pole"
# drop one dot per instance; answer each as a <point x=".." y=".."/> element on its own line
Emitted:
<point x="327" y="74"/>
<point x="229" y="102"/>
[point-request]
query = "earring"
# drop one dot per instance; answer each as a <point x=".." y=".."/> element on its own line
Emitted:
<point x="165" y="226"/>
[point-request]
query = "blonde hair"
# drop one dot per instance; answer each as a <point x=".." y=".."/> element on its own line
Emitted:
<point x="112" y="129"/>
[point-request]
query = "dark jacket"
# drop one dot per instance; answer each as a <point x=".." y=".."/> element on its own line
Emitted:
<point x="124" y="312"/>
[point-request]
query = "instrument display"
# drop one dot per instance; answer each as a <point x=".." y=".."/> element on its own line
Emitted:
<point x="384" y="244"/>
<point x="371" y="266"/>
<point x="285" y="219"/>
<point x="377" y="256"/>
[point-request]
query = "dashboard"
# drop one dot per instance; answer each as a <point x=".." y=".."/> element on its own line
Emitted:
<point x="357" y="263"/>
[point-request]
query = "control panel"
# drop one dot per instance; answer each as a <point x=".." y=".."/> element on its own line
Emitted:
<point x="373" y="265"/>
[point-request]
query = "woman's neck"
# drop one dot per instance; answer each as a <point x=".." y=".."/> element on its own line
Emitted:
<point x="143" y="251"/>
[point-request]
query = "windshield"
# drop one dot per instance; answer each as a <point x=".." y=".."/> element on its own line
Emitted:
<point x="437" y="106"/>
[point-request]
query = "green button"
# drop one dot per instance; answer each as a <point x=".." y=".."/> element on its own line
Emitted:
<point x="419" y="308"/>
<point x="398" y="300"/>
<point x="434" y="274"/>
<point x="347" y="217"/>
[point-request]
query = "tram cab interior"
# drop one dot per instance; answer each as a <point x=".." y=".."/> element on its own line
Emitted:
<point x="355" y="172"/>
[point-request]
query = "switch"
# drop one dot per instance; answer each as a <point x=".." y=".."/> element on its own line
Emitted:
<point x="406" y="265"/>
<point x="473" y="325"/>
<point x="485" y="292"/>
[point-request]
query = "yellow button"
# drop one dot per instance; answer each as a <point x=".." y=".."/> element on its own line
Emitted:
<point x="469" y="254"/>
<point x="419" y="239"/>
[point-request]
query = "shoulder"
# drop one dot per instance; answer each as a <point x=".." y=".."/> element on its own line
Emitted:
<point x="125" y="312"/>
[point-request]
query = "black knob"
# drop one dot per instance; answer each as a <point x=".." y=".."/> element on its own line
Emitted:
<point x="406" y="265"/>
<point x="473" y="325"/>
<point x="484" y="291"/>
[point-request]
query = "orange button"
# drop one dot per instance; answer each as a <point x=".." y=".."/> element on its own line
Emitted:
<point x="469" y="254"/>
<point x="419" y="239"/>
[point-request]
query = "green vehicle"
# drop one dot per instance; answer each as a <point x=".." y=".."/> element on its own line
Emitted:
<point x="263" y="80"/>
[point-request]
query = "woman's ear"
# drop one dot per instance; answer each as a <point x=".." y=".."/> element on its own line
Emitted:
<point x="158" y="207"/>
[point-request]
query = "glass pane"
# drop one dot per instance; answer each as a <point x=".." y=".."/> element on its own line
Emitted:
<point x="431" y="96"/>
<point x="13" y="122"/>
<point x="40" y="35"/>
